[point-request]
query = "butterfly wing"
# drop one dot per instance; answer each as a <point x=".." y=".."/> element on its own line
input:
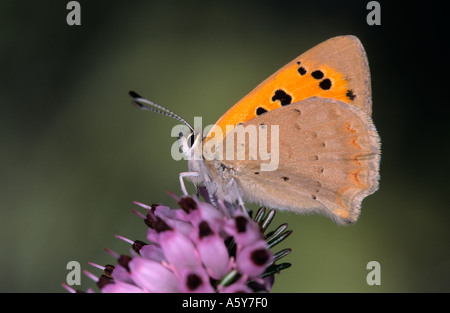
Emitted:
<point x="328" y="159"/>
<point x="337" y="69"/>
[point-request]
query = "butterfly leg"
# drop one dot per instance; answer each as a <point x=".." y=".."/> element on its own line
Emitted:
<point x="239" y="198"/>
<point x="186" y="174"/>
<point x="183" y="187"/>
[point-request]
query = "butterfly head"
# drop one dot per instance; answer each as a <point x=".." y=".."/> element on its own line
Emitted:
<point x="190" y="143"/>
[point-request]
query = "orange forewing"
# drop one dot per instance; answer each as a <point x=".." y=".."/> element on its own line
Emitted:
<point x="302" y="78"/>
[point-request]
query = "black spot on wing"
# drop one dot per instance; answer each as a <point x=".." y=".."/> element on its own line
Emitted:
<point x="325" y="84"/>
<point x="350" y="95"/>
<point x="301" y="70"/>
<point x="260" y="110"/>
<point x="317" y="74"/>
<point x="281" y="95"/>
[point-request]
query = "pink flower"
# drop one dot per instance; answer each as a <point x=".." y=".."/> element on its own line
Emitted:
<point x="121" y="287"/>
<point x="152" y="276"/>
<point x="213" y="251"/>
<point x="195" y="281"/>
<point x="254" y="259"/>
<point x="196" y="248"/>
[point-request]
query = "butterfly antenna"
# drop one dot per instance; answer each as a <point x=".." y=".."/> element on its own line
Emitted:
<point x="147" y="105"/>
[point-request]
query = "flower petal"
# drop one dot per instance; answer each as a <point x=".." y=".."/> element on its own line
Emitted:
<point x="253" y="260"/>
<point x="237" y="287"/>
<point x="179" y="250"/>
<point x="153" y="276"/>
<point x="195" y="281"/>
<point x="244" y="230"/>
<point x="214" y="255"/>
<point x="121" y="287"/>
<point x="120" y="274"/>
<point x="152" y="252"/>
<point x="207" y="212"/>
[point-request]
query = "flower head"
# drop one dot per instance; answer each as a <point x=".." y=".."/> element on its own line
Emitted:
<point x="197" y="248"/>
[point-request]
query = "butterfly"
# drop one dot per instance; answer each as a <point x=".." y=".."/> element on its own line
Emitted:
<point x="316" y="115"/>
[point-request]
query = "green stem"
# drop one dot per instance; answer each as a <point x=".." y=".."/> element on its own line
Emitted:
<point x="229" y="278"/>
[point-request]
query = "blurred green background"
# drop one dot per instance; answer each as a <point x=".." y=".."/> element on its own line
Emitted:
<point x="74" y="153"/>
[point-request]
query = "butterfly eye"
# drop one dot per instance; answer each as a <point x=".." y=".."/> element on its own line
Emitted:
<point x="190" y="138"/>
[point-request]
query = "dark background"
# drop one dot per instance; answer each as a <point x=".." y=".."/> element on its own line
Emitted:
<point x="74" y="154"/>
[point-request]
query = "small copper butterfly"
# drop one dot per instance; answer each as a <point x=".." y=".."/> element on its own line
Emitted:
<point x="327" y="146"/>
